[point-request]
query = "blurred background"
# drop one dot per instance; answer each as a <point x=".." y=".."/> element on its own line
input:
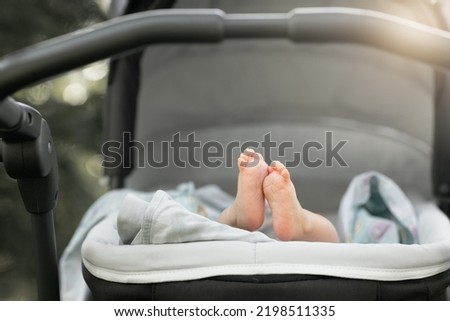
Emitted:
<point x="72" y="105"/>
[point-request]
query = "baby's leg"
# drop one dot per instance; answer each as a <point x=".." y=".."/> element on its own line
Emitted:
<point x="291" y="222"/>
<point x="247" y="211"/>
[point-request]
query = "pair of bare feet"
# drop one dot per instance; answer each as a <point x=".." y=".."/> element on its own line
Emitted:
<point x="258" y="182"/>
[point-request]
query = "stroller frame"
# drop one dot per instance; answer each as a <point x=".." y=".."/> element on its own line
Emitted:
<point x="19" y="131"/>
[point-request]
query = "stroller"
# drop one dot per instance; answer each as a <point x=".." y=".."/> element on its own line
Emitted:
<point x="365" y="72"/>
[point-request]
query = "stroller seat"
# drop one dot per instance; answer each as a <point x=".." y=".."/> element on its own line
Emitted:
<point x="220" y="270"/>
<point x="241" y="91"/>
<point x="328" y="110"/>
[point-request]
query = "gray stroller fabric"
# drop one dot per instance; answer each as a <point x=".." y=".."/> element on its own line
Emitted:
<point x="245" y="91"/>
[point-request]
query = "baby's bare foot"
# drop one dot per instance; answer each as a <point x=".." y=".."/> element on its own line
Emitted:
<point x="289" y="218"/>
<point x="247" y="211"/>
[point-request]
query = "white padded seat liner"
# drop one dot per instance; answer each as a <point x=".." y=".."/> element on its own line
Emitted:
<point x="259" y="80"/>
<point x="105" y="258"/>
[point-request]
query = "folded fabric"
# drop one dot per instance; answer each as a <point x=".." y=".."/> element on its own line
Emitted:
<point x="164" y="220"/>
<point x="375" y="210"/>
<point x="73" y="286"/>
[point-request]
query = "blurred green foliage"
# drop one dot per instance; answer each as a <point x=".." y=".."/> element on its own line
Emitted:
<point x="75" y="128"/>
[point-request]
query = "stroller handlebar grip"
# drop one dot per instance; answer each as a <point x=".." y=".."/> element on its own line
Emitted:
<point x="10" y="114"/>
<point x="18" y="122"/>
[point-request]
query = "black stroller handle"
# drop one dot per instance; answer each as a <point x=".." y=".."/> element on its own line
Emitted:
<point x="320" y="25"/>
